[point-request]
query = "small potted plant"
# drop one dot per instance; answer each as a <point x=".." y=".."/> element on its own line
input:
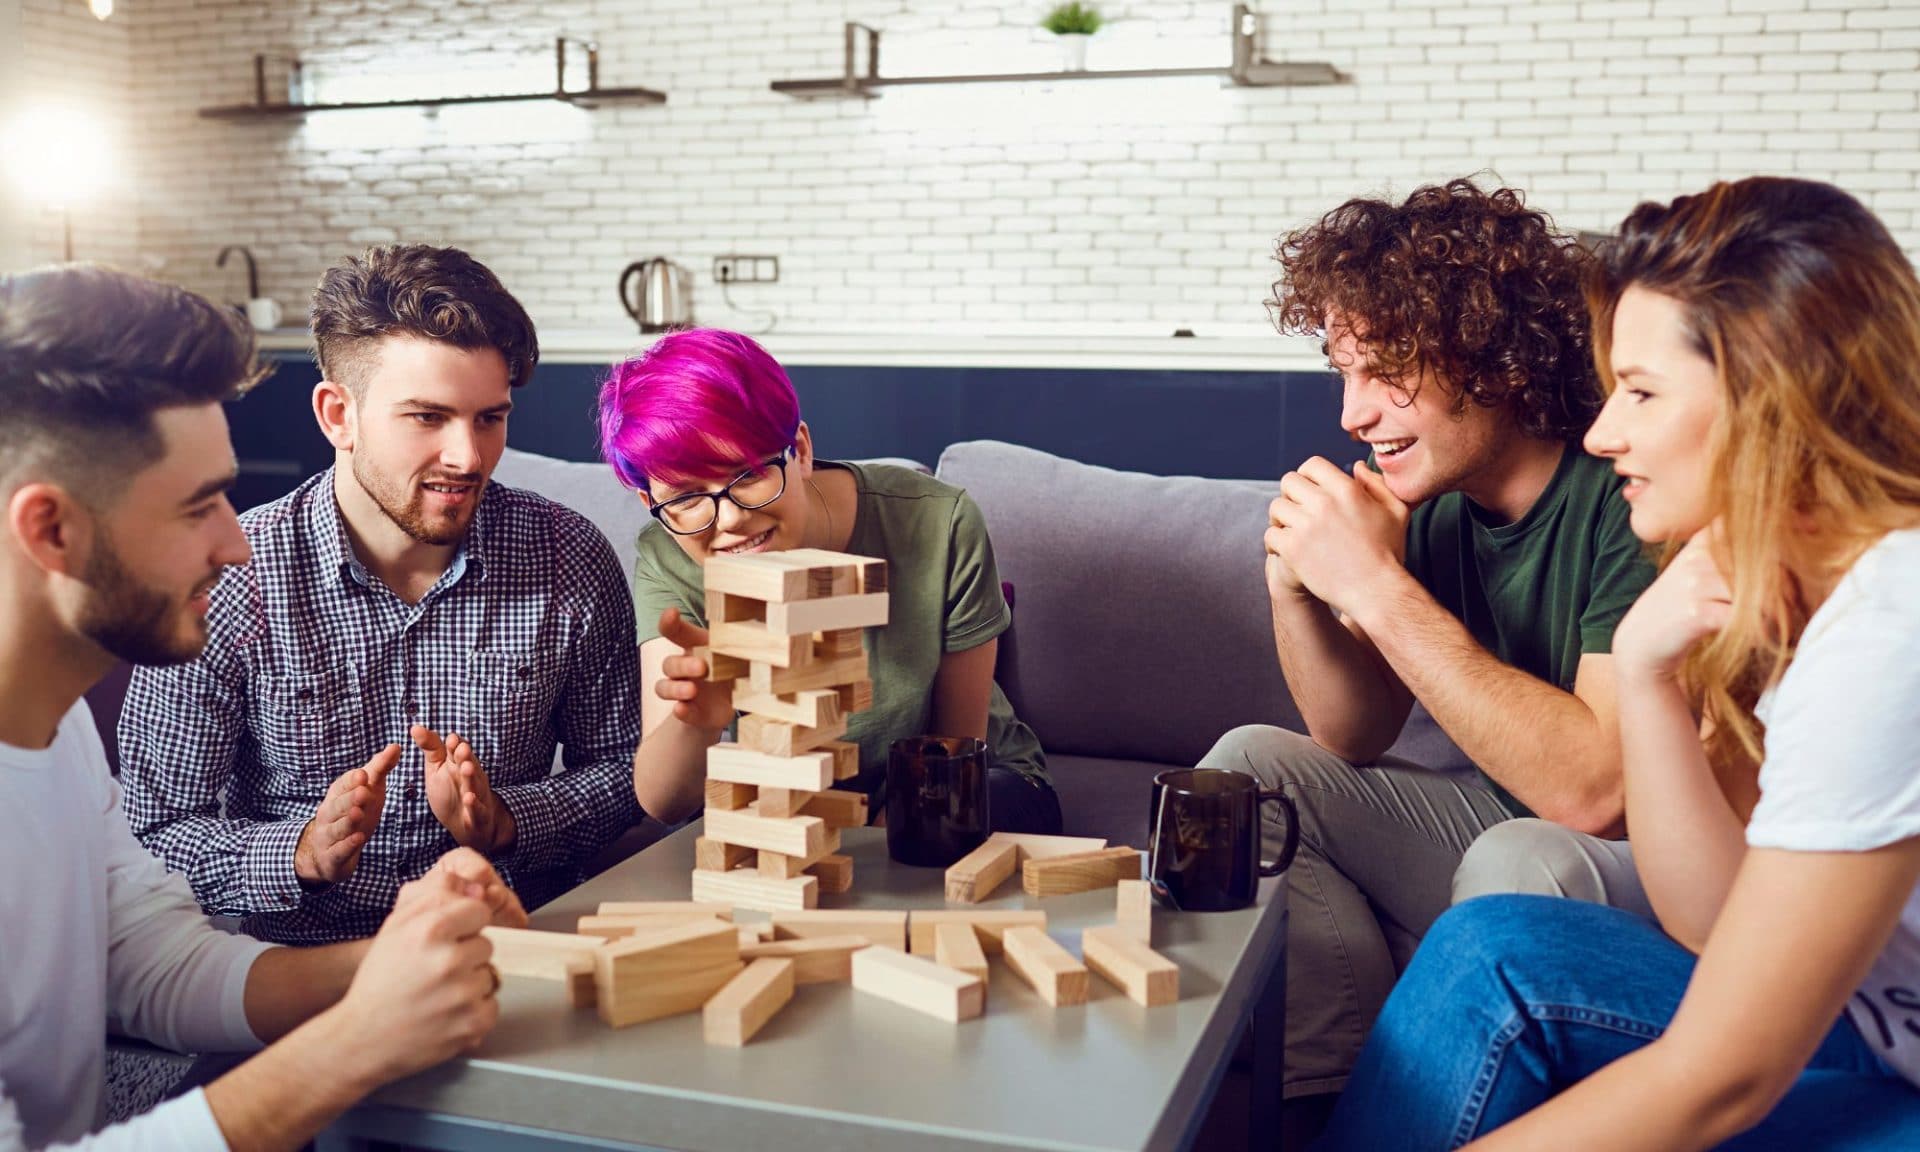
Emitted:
<point x="1073" y="23"/>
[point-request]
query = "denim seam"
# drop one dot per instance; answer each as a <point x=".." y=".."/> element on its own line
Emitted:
<point x="1470" y="1112"/>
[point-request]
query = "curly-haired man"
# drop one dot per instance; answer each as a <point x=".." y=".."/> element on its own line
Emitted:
<point x="1478" y="566"/>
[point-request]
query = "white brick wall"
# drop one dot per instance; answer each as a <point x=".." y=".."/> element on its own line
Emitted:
<point x="1154" y="203"/>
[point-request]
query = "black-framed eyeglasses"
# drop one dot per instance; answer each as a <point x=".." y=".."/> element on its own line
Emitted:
<point x="695" y="512"/>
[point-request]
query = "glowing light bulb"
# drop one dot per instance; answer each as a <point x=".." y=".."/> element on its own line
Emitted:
<point x="101" y="9"/>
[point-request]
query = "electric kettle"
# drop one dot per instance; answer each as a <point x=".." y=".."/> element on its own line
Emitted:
<point x="664" y="300"/>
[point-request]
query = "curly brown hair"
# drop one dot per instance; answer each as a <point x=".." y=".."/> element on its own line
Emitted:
<point x="1471" y="284"/>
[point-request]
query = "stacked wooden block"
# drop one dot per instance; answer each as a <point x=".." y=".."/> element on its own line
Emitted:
<point x="787" y="629"/>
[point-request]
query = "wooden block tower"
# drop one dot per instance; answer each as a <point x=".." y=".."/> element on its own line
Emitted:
<point x="786" y="629"/>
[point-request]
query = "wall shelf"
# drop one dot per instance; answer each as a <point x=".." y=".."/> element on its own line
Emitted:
<point x="1246" y="70"/>
<point x="591" y="96"/>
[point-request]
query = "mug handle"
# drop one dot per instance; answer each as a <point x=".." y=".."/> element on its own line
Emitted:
<point x="1292" y="844"/>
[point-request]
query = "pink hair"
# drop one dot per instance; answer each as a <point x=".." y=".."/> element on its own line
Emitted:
<point x="695" y="405"/>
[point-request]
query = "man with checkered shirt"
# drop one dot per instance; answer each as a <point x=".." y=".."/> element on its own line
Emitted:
<point x="388" y="677"/>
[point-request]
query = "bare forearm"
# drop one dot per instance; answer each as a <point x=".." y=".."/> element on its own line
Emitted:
<point x="1343" y="697"/>
<point x="669" y="769"/>
<point x="283" y="1097"/>
<point x="1648" y="1101"/>
<point x="286" y="987"/>
<point x="1542" y="744"/>
<point x="1687" y="841"/>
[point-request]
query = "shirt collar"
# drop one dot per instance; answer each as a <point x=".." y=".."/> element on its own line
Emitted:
<point x="328" y="529"/>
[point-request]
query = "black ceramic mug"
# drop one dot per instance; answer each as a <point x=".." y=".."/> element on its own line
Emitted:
<point x="1203" y="838"/>
<point x="937" y="799"/>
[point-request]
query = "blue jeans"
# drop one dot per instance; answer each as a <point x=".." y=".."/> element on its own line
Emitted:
<point x="1512" y="999"/>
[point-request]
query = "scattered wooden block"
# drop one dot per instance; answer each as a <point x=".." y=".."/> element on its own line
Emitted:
<point x="1054" y="973"/>
<point x="816" y="959"/>
<point x="1061" y="875"/>
<point x="1133" y="913"/>
<point x="740" y="766"/>
<point x="726" y="797"/>
<point x="664" y="973"/>
<point x="835" y="873"/>
<point x="683" y="909"/>
<point x="856" y="697"/>
<point x="990" y="923"/>
<point x="830" y="673"/>
<point x="919" y="984"/>
<point x="751" y="641"/>
<point x="783" y="867"/>
<point x="745" y="889"/>
<point x="846" y="758"/>
<point x="1034" y="846"/>
<point x="721" y="669"/>
<point x="805" y="617"/>
<point x="760" y="576"/>
<point x="747" y="1002"/>
<point x="779" y="738"/>
<point x="840" y="642"/>
<point x="974" y="876"/>
<point x="799" y="836"/>
<point x="558" y="956"/>
<point x="623" y="927"/>
<point x="1144" y="975"/>
<point x="837" y="808"/>
<point x="884" y="927"/>
<point x="715" y="856"/>
<point x="815" y="708"/>
<point x="957" y="946"/>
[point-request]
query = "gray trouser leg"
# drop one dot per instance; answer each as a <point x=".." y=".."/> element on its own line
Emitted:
<point x="1547" y="859"/>
<point x="1378" y="848"/>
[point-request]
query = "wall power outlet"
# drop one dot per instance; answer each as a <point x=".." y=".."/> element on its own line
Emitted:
<point x="736" y="269"/>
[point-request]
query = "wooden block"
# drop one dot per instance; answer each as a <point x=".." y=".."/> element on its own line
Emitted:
<point x="958" y="947"/>
<point x="721" y="669"/>
<point x="747" y="1002"/>
<point x="830" y="673"/>
<point x="796" y="836"/>
<point x="682" y="909"/>
<point x="990" y="923"/>
<point x="779" y="738"/>
<point x="560" y="956"/>
<point x="1054" y="973"/>
<point x="745" y="889"/>
<point x="751" y="641"/>
<point x="1133" y="912"/>
<point x="759" y="576"/>
<point x="726" y="608"/>
<point x="829" y="615"/>
<point x="852" y="574"/>
<point x="835" y="874"/>
<point x="742" y="766"/>
<point x="714" y="856"/>
<point x="784" y="867"/>
<point x="884" y="927"/>
<point x="816" y="959"/>
<point x="1082" y="873"/>
<point x="840" y="642"/>
<point x="781" y="803"/>
<point x="607" y="927"/>
<point x="919" y="984"/>
<point x="839" y="808"/>
<point x="666" y="972"/>
<point x="725" y="796"/>
<point x="856" y="697"/>
<point x="1144" y="975"/>
<point x="1034" y="846"/>
<point x="814" y="708"/>
<point x="974" y="876"/>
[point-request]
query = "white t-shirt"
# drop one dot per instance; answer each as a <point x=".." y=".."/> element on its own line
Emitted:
<point x="94" y="931"/>
<point x="1842" y="767"/>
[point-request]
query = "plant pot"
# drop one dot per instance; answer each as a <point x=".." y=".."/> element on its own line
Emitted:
<point x="1073" y="51"/>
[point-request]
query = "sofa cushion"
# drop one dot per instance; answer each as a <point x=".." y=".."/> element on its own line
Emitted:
<point x="589" y="488"/>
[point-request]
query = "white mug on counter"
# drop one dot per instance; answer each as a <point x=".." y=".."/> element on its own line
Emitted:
<point x="263" y="313"/>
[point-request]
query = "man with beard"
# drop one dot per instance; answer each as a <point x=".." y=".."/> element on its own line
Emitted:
<point x="389" y="676"/>
<point x="114" y="468"/>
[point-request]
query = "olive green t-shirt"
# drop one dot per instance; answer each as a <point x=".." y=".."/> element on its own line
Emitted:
<point x="944" y="594"/>
<point x="1546" y="590"/>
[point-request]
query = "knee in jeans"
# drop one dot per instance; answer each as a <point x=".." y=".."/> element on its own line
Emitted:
<point x="1527" y="856"/>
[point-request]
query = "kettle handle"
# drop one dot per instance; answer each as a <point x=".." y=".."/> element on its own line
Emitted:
<point x="627" y="300"/>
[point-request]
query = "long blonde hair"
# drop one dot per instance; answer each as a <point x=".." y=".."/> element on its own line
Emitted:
<point x="1810" y="313"/>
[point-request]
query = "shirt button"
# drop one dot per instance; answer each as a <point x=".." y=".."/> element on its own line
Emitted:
<point x="412" y="707"/>
<point x="411" y="791"/>
<point x="285" y="899"/>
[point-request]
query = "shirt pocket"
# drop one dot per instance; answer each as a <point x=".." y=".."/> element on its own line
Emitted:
<point x="509" y="713"/>
<point x="311" y="726"/>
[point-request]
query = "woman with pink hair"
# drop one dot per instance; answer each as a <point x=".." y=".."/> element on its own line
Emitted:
<point x="706" y="428"/>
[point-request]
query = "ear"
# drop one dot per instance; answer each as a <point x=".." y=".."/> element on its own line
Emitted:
<point x="337" y="413"/>
<point x="803" y="449"/>
<point x="52" y="528"/>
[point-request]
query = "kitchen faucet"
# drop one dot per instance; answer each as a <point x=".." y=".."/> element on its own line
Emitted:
<point x="253" y="275"/>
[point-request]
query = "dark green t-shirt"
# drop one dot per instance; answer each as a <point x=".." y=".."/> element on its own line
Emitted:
<point x="1543" y="591"/>
<point x="945" y="597"/>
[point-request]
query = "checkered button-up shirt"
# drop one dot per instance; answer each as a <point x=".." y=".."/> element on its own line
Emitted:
<point x="313" y="665"/>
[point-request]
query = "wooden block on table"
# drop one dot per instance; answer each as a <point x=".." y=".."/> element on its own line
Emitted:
<point x="664" y="973"/>
<point x="779" y="738"/>
<point x="838" y="808"/>
<point x="1061" y="875"/>
<point x="974" y="876"/>
<point x="607" y="927"/>
<point x="884" y="927"/>
<point x="1034" y="846"/>
<point x="725" y="796"/>
<point x="746" y="889"/>
<point x="814" y="708"/>
<point x="797" y="836"/>
<point x="835" y="873"/>
<point x="682" y="909"/>
<point x="957" y="946"/>
<point x="742" y="766"/>
<point x="715" y="856"/>
<point x="750" y="640"/>
<point x="990" y="923"/>
<point x="817" y="673"/>
<point x="816" y="959"/>
<point x="919" y="984"/>
<point x="763" y="576"/>
<point x="1144" y="975"/>
<point x="1133" y="912"/>
<point x="560" y="956"/>
<point x="721" y="669"/>
<point x="1054" y="973"/>
<point x="783" y="867"/>
<point x="747" y="1002"/>
<point x="805" y="617"/>
<point x="840" y="642"/>
<point x="856" y="697"/>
